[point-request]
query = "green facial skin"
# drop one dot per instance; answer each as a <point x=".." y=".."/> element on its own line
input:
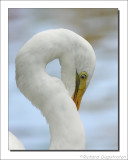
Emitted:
<point x="80" y="88"/>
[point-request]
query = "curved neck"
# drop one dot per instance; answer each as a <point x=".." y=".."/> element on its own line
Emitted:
<point x="50" y="94"/>
<point x="66" y="129"/>
<point x="52" y="98"/>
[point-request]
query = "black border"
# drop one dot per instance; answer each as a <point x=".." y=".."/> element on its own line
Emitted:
<point x="118" y="80"/>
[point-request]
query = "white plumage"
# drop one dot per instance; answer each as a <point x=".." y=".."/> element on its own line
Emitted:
<point x="51" y="95"/>
<point x="14" y="143"/>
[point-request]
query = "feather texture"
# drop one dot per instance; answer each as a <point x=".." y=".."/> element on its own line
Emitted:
<point x="51" y="95"/>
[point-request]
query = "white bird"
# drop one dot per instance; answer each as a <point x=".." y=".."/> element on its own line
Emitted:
<point x="58" y="100"/>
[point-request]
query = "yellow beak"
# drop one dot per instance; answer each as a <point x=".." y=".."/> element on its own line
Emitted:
<point x="80" y="88"/>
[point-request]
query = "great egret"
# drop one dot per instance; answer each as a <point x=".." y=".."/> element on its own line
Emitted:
<point x="58" y="100"/>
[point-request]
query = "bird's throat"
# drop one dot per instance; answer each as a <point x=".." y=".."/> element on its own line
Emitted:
<point x="66" y="128"/>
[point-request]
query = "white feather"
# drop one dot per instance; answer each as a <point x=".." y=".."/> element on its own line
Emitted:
<point x="14" y="143"/>
<point x="51" y="95"/>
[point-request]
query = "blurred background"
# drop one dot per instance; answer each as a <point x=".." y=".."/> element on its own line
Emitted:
<point x="99" y="107"/>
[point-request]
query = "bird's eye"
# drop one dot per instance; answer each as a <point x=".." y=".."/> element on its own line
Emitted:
<point x="83" y="76"/>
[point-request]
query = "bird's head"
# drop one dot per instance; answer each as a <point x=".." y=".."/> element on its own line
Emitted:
<point x="85" y="64"/>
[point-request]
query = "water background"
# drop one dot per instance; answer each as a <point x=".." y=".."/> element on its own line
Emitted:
<point x="99" y="107"/>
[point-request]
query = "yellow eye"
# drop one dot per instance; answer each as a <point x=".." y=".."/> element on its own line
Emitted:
<point x="83" y="75"/>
